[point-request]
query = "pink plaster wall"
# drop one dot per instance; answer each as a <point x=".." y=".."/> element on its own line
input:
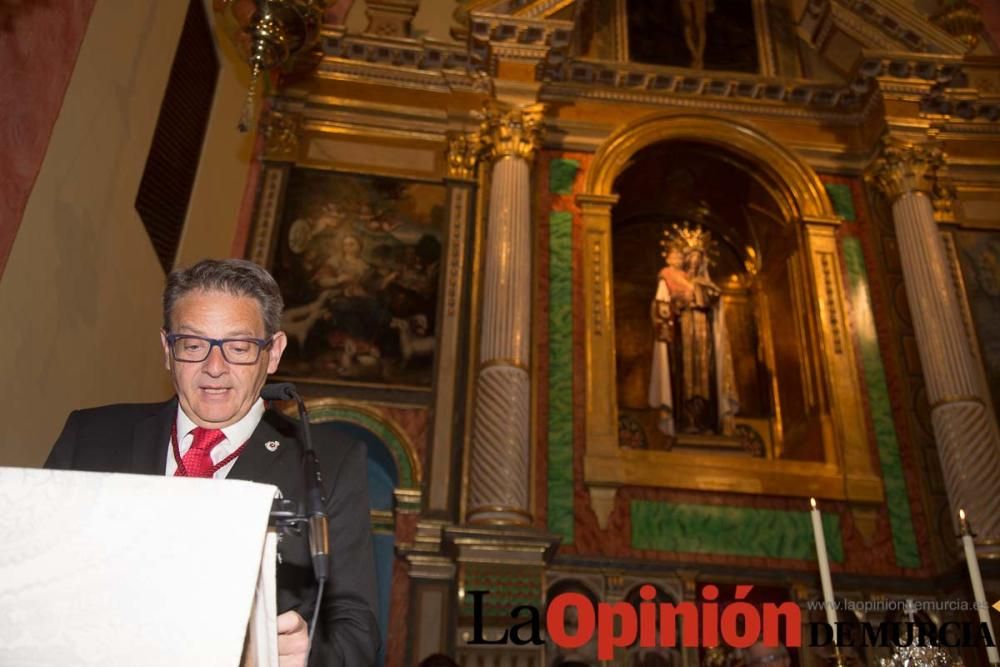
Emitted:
<point x="39" y="43"/>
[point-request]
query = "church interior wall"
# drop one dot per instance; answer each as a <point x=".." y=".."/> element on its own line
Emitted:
<point x="80" y="235"/>
<point x="81" y="243"/>
<point x="431" y="20"/>
<point x="561" y="428"/>
<point x="37" y="71"/>
<point x="217" y="209"/>
<point x="906" y="541"/>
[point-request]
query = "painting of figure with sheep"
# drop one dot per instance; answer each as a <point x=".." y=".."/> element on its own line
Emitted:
<point x="358" y="261"/>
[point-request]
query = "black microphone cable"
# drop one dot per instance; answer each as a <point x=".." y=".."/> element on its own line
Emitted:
<point x="315" y="502"/>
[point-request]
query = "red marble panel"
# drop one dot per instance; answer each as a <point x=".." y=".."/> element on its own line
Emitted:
<point x="543" y="205"/>
<point x="415" y="424"/>
<point x="864" y="229"/>
<point x="546" y="203"/>
<point x="991" y="18"/>
<point x="406" y="528"/>
<point x="399" y="612"/>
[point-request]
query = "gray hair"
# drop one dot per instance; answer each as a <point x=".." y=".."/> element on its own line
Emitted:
<point x="238" y="277"/>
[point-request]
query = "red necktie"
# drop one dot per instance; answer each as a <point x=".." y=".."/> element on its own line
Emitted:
<point x="197" y="461"/>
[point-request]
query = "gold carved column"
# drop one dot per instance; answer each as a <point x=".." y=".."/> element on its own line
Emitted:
<point x="500" y="467"/>
<point x="603" y="459"/>
<point x="966" y="436"/>
<point x="463" y="160"/>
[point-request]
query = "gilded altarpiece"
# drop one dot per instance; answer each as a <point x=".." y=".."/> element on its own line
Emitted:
<point x="831" y="457"/>
<point x="979" y="257"/>
<point x="343" y="193"/>
<point x="902" y="521"/>
<point x="656" y="521"/>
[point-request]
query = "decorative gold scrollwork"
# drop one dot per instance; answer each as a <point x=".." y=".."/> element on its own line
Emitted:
<point x="906" y="166"/>
<point x="463" y="154"/>
<point x="511" y="131"/>
<point x="280" y="130"/>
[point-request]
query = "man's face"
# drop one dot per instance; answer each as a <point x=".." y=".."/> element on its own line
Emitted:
<point x="213" y="392"/>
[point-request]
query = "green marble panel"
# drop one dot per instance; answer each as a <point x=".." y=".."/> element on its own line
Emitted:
<point x="562" y="173"/>
<point x="507" y="589"/>
<point x="560" y="422"/>
<point x="900" y="520"/>
<point x="733" y="531"/>
<point x="843" y="202"/>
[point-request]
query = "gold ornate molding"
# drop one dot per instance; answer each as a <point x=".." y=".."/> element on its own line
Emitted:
<point x="463" y="155"/>
<point x="393" y="18"/>
<point x="280" y="130"/>
<point x="961" y="19"/>
<point x="846" y="471"/>
<point x="761" y="94"/>
<point x="845" y="437"/>
<point x="497" y="37"/>
<point x="727" y="474"/>
<point x="320" y="410"/>
<point x="424" y="64"/>
<point x="888" y="24"/>
<point x="599" y="341"/>
<point x="262" y="239"/>
<point x="511" y="132"/>
<point x="800" y="185"/>
<point x="943" y="199"/>
<point x="907" y="166"/>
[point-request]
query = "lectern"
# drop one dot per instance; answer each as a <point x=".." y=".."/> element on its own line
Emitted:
<point x="112" y="569"/>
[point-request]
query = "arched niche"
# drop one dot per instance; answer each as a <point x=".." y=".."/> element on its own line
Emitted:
<point x="585" y="655"/>
<point x="402" y="450"/>
<point x="394" y="477"/>
<point x="844" y="468"/>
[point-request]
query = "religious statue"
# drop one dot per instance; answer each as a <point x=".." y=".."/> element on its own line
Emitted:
<point x="692" y="382"/>
<point x="695" y="13"/>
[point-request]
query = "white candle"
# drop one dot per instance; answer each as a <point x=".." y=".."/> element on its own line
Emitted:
<point x="824" y="566"/>
<point x="977" y="584"/>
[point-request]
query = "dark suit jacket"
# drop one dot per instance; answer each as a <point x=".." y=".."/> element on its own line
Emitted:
<point x="134" y="439"/>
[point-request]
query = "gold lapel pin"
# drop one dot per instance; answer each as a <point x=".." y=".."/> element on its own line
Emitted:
<point x="272" y="445"/>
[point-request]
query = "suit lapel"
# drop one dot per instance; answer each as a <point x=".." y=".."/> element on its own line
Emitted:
<point x="150" y="440"/>
<point x="272" y="439"/>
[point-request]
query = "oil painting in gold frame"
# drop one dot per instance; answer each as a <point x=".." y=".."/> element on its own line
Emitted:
<point x="357" y="258"/>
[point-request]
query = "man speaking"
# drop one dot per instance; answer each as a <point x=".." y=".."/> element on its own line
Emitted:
<point x="221" y="340"/>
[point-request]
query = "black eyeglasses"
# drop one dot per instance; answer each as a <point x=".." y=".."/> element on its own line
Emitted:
<point x="241" y="351"/>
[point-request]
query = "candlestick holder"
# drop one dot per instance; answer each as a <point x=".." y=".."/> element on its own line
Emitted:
<point x="270" y="35"/>
<point x="920" y="656"/>
<point x="963" y="525"/>
<point x="838" y="658"/>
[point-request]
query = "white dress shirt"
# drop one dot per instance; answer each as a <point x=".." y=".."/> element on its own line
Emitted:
<point x="236" y="434"/>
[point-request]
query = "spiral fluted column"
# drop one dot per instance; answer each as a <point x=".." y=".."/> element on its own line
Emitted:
<point x="499" y="474"/>
<point x="966" y="434"/>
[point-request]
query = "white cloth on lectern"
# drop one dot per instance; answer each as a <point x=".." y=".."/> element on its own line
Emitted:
<point x="110" y="569"/>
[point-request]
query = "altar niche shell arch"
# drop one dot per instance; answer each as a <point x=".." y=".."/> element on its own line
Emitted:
<point x="847" y="471"/>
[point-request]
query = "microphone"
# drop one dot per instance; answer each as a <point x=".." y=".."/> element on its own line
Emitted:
<point x="279" y="391"/>
<point x="319" y="534"/>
